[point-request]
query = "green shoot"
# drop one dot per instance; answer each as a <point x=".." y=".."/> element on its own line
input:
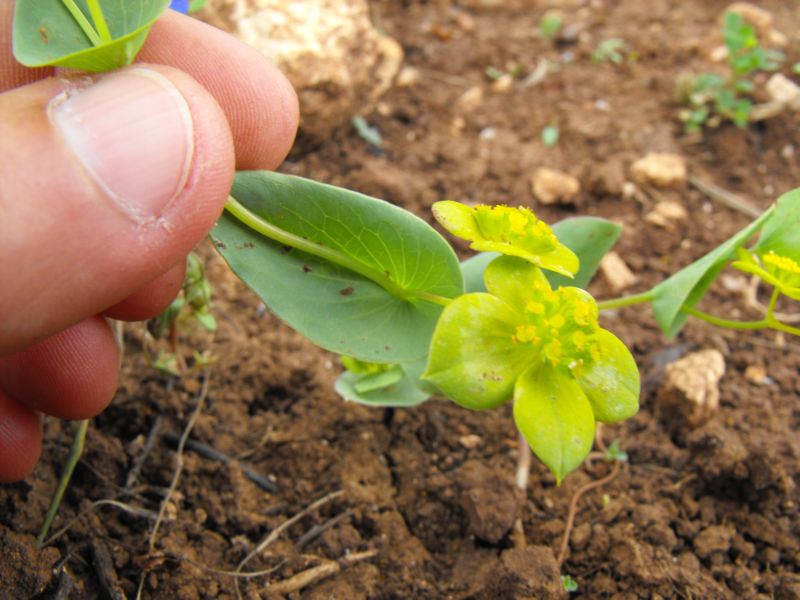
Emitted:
<point x="550" y="24"/>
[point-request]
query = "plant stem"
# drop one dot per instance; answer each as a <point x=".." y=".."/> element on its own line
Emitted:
<point x="81" y="20"/>
<point x="75" y="452"/>
<point x="99" y="20"/>
<point x="769" y="322"/>
<point x="626" y="301"/>
<point x="253" y="221"/>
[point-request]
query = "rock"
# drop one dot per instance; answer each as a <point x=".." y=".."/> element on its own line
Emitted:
<point x="336" y="60"/>
<point x="690" y="390"/>
<point x="665" y="213"/>
<point x="489" y="501"/>
<point x="530" y="572"/>
<point x="616" y="272"/>
<point x="470" y="100"/>
<point x="504" y="84"/>
<point x="550" y="186"/>
<point x="783" y="90"/>
<point x="716" y="538"/>
<point x="660" y="169"/>
<point x="408" y="77"/>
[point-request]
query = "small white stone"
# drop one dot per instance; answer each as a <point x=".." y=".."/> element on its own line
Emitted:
<point x="660" y="169"/>
<point x="550" y="186"/>
<point x="616" y="272"/>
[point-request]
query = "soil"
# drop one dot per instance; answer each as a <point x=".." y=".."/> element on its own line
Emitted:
<point x="428" y="493"/>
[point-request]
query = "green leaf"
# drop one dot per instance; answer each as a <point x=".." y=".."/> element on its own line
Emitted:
<point x="63" y="33"/>
<point x="611" y="383"/>
<point x="688" y="286"/>
<point x="334" y="306"/>
<point x="405" y="391"/>
<point x="590" y="238"/>
<point x="781" y="231"/>
<point x="554" y="415"/>
<point x="473" y="359"/>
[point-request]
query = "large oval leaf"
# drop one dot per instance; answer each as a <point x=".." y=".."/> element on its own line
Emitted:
<point x="335" y="307"/>
<point x="47" y="32"/>
<point x="554" y="415"/>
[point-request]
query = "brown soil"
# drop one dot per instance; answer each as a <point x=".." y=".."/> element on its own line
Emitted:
<point x="704" y="513"/>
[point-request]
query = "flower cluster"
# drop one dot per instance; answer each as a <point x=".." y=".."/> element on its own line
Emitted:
<point x="511" y="231"/>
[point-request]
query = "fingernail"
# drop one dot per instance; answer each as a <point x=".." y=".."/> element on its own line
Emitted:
<point x="133" y="133"/>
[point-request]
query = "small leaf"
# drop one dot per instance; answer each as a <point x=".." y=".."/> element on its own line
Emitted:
<point x="687" y="287"/>
<point x="554" y="415"/>
<point x="335" y="307"/>
<point x="550" y="135"/>
<point x="46" y="33"/>
<point x="473" y="358"/>
<point x="514" y="280"/>
<point x="611" y="383"/>
<point x="781" y="231"/>
<point x="405" y="391"/>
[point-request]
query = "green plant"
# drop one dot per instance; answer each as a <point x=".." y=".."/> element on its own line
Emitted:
<point x="569" y="584"/>
<point x="711" y="97"/>
<point x="378" y="285"/>
<point x="550" y="24"/>
<point x="610" y="50"/>
<point x="550" y="135"/>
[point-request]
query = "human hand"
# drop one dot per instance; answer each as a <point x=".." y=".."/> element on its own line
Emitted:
<point x="106" y="184"/>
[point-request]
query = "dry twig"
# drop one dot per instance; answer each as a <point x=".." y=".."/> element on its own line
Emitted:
<point x="328" y="567"/>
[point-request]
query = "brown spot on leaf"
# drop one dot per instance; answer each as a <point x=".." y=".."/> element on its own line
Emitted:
<point x="346" y="291"/>
<point x="306" y="269"/>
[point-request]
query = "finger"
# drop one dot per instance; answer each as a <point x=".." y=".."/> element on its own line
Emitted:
<point x="71" y="375"/>
<point x="152" y="299"/>
<point x="258" y="100"/>
<point x="107" y="183"/>
<point x="20" y="439"/>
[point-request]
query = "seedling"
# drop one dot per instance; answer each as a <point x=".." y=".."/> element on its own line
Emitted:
<point x="569" y="584"/>
<point x="712" y="97"/>
<point x="610" y="50"/>
<point x="372" y="282"/>
<point x="550" y="135"/>
<point x="550" y="24"/>
<point x="367" y="132"/>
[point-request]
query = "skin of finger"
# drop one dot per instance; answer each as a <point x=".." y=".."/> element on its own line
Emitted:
<point x="20" y="439"/>
<point x="258" y="100"/>
<point x="152" y="299"/>
<point x="72" y="258"/>
<point x="71" y="375"/>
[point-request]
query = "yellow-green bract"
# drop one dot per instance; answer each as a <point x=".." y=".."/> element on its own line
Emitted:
<point x="544" y="348"/>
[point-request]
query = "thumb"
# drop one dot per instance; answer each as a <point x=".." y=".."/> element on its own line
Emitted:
<point x="106" y="183"/>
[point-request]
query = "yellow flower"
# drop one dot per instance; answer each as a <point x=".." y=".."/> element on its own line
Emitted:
<point x="775" y="269"/>
<point x="512" y="231"/>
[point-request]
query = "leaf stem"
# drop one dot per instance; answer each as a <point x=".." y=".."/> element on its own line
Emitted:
<point x="267" y="229"/>
<point x="626" y="301"/>
<point x="81" y="20"/>
<point x="99" y="20"/>
<point x="81" y="427"/>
